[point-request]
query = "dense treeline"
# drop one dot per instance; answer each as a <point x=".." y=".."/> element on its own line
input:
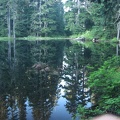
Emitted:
<point x="49" y="18"/>
<point x="97" y="17"/>
<point x="31" y="17"/>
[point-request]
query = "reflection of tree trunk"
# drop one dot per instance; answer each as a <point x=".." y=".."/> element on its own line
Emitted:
<point x="22" y="107"/>
<point x="3" y="111"/>
<point x="83" y="72"/>
<point x="76" y="62"/>
<point x="9" y="37"/>
<point x="14" y="38"/>
<point x="83" y="79"/>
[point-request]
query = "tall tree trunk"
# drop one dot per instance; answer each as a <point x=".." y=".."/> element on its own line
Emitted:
<point x="118" y="38"/>
<point x="40" y="16"/>
<point x="14" y="36"/>
<point x="78" y="3"/>
<point x="117" y="48"/>
<point x="45" y="22"/>
<point x="9" y="36"/>
<point x="78" y="12"/>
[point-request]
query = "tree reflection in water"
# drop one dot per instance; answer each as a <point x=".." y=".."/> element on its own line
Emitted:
<point x="33" y="80"/>
<point x="22" y="82"/>
<point x="76" y="91"/>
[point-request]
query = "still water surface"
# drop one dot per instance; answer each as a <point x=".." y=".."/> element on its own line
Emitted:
<point x="45" y="80"/>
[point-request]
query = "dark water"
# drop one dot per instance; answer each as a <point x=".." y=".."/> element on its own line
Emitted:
<point x="46" y="80"/>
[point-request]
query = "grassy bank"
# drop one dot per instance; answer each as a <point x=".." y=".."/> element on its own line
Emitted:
<point x="4" y="38"/>
<point x="89" y="35"/>
<point x="33" y="38"/>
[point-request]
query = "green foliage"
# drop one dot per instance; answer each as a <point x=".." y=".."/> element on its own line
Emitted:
<point x="47" y="18"/>
<point x="37" y="18"/>
<point x="4" y="38"/>
<point x="96" y="32"/>
<point x="104" y="84"/>
<point x="23" y="21"/>
<point x="98" y="17"/>
<point x="86" y="113"/>
<point x="97" y="11"/>
<point x="3" y="19"/>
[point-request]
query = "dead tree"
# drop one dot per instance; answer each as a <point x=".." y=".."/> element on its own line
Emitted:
<point x="118" y="31"/>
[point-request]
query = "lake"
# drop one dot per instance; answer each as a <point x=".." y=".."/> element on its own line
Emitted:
<point x="46" y="80"/>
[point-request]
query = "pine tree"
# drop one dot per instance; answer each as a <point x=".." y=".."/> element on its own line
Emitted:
<point x="23" y="21"/>
<point x="47" y="18"/>
<point x="3" y="18"/>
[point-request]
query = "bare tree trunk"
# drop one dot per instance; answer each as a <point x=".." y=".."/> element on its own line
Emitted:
<point x="40" y="15"/>
<point x="14" y="36"/>
<point x="45" y="22"/>
<point x="79" y="6"/>
<point x="9" y="36"/>
<point x="118" y="37"/>
<point x="78" y="11"/>
<point x="118" y="30"/>
<point x="117" y="48"/>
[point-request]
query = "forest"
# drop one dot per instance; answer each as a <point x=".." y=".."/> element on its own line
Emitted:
<point x="93" y="68"/>
<point x="91" y="18"/>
